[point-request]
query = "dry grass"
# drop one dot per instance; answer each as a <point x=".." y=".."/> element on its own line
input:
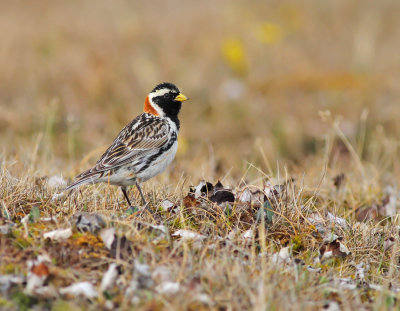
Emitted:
<point x="234" y="266"/>
<point x="279" y="91"/>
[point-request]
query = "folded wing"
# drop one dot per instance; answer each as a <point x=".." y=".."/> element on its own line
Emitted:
<point x="142" y="136"/>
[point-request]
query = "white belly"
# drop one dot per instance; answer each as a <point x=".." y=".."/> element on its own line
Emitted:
<point x="160" y="164"/>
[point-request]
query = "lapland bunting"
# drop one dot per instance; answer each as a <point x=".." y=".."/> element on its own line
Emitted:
<point x="144" y="148"/>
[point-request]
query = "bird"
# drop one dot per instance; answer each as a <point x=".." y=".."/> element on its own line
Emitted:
<point x="143" y="148"/>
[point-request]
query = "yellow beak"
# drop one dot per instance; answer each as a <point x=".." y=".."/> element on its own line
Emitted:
<point x="181" y="98"/>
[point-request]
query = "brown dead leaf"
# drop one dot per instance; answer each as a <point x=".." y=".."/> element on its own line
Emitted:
<point x="374" y="211"/>
<point x="334" y="248"/>
<point x="338" y="180"/>
<point x="275" y="192"/>
<point x="121" y="248"/>
<point x="189" y="201"/>
<point x="167" y="205"/>
<point x="40" y="270"/>
<point x="367" y="213"/>
<point x="206" y="190"/>
<point x="389" y="242"/>
<point x="221" y="196"/>
<point x="203" y="189"/>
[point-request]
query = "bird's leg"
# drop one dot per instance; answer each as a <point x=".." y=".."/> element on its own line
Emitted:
<point x="69" y="193"/>
<point x="126" y="195"/>
<point x="141" y="194"/>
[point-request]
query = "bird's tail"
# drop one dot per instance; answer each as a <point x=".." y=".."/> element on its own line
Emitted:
<point x="87" y="177"/>
<point x="78" y="183"/>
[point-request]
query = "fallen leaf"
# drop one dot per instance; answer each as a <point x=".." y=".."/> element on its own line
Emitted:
<point x="367" y="213"/>
<point x="337" y="220"/>
<point x="5" y="229"/>
<point x="218" y="185"/>
<point x="333" y="247"/>
<point x="314" y="270"/>
<point x="88" y="222"/>
<point x="108" y="236"/>
<point x="24" y="222"/>
<point x="168" y="288"/>
<point x="58" y="235"/>
<point x="338" y="180"/>
<point x="116" y="245"/>
<point x="161" y="274"/>
<point x="110" y="277"/>
<point x="38" y="274"/>
<point x="161" y="228"/>
<point x="248" y="196"/>
<point x="273" y="192"/>
<point x="283" y="256"/>
<point x="189" y="201"/>
<point x="390" y="203"/>
<point x="203" y="189"/>
<point x="388" y="243"/>
<point x="141" y="279"/>
<point x="84" y="289"/>
<point x="221" y="196"/>
<point x="361" y="269"/>
<point x="245" y="196"/>
<point x="203" y="299"/>
<point x="49" y="219"/>
<point x="322" y="225"/>
<point x="9" y="281"/>
<point x="206" y="191"/>
<point x="167" y="205"/>
<point x="188" y="235"/>
<point x="40" y="270"/>
<point x="331" y="306"/>
<point x="46" y="292"/>
<point x="58" y="196"/>
<point x="347" y="283"/>
<point x="247" y="235"/>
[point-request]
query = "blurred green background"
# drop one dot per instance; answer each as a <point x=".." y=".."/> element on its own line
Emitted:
<point x="73" y="73"/>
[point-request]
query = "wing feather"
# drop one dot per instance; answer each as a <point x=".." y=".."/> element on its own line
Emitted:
<point x="140" y="137"/>
<point x="129" y="144"/>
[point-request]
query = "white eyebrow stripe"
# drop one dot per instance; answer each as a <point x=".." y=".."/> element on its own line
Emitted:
<point x="160" y="92"/>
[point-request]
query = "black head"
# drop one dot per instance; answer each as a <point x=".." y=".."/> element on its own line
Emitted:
<point x="166" y="85"/>
<point x="166" y="101"/>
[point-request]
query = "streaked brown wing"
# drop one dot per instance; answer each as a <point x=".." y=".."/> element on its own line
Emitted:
<point x="132" y="144"/>
<point x="141" y="136"/>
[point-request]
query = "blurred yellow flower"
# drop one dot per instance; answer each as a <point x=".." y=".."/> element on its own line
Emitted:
<point x="233" y="53"/>
<point x="269" y="33"/>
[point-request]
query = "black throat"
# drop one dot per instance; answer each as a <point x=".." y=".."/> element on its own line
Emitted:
<point x="171" y="109"/>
